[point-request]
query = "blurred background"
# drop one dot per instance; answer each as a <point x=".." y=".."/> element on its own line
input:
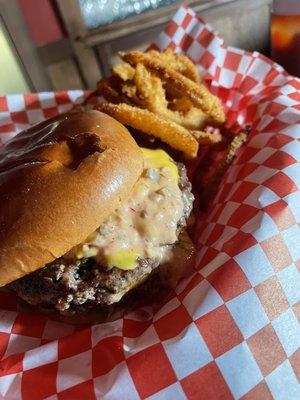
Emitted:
<point x="70" y="44"/>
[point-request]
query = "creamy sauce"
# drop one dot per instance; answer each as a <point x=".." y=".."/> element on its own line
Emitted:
<point x="146" y="224"/>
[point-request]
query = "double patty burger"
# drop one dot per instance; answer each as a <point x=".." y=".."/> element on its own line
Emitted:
<point x="89" y="221"/>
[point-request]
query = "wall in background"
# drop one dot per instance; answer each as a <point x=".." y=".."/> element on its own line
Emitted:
<point x="42" y="20"/>
<point x="12" y="79"/>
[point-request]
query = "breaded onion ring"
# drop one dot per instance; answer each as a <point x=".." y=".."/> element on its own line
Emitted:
<point x="124" y="71"/>
<point x="196" y="92"/>
<point x="106" y="88"/>
<point x="207" y="138"/>
<point x="179" y="62"/>
<point x="143" y="120"/>
<point x="151" y="90"/>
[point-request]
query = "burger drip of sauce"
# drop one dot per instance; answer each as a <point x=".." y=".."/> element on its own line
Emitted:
<point x="145" y="225"/>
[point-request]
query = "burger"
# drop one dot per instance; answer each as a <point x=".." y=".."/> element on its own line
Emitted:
<point x="91" y="224"/>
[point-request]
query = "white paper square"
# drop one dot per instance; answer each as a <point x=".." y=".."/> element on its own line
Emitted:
<point x="188" y="353"/>
<point x="74" y="370"/>
<point x="15" y="102"/>
<point x="42" y="355"/>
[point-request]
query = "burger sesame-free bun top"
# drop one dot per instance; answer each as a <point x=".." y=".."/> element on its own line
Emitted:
<point x="59" y="180"/>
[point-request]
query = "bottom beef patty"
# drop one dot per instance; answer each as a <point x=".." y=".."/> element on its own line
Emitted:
<point x="71" y="286"/>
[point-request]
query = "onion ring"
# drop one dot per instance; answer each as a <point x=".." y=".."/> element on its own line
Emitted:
<point x="124" y="71"/>
<point x="199" y="95"/>
<point x="179" y="62"/>
<point x="106" y="88"/>
<point x="207" y="138"/>
<point x="151" y="90"/>
<point x="143" y="120"/>
<point x="212" y="185"/>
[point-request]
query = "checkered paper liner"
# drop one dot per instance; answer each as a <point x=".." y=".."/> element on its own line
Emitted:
<point x="230" y="330"/>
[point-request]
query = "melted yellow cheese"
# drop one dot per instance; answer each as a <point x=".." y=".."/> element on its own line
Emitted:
<point x="160" y="159"/>
<point x="123" y="259"/>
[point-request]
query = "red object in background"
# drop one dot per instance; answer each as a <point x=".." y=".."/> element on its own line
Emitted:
<point x="285" y="34"/>
<point x="285" y="42"/>
<point x="43" y="21"/>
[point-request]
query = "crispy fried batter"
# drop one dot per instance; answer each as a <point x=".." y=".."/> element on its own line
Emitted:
<point x="207" y="138"/>
<point x="106" y="87"/>
<point x="192" y="119"/>
<point x="211" y="187"/>
<point x="182" y="104"/>
<point x="130" y="91"/>
<point x="151" y="90"/>
<point x="233" y="147"/>
<point x="116" y="91"/>
<point x="161" y="94"/>
<point x="199" y="95"/>
<point x="169" y="132"/>
<point x="124" y="71"/>
<point x="172" y="92"/>
<point x="178" y="62"/>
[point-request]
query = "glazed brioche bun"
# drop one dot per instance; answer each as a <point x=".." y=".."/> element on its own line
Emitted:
<point x="59" y="180"/>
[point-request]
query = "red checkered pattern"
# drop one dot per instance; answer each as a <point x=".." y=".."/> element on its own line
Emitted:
<point x="230" y="330"/>
<point x="18" y="112"/>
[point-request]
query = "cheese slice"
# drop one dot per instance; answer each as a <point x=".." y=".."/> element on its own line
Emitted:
<point x="159" y="159"/>
<point x="123" y="259"/>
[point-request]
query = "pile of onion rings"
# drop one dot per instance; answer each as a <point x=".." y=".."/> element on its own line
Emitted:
<point x="162" y="95"/>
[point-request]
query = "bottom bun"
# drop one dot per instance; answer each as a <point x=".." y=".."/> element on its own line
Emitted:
<point x="156" y="288"/>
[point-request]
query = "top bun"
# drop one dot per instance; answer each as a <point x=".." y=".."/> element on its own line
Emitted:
<point x="59" y="180"/>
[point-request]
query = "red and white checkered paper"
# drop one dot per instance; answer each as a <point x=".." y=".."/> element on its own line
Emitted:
<point x="230" y="330"/>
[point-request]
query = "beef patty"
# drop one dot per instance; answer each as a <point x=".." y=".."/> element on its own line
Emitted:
<point x="70" y="286"/>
